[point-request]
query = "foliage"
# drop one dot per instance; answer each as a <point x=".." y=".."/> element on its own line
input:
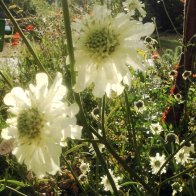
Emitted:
<point x="127" y="131"/>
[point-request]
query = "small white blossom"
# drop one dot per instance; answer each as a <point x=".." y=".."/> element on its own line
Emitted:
<point x="104" y="46"/>
<point x="156" y="128"/>
<point x="40" y="122"/>
<point x="106" y="183"/>
<point x="84" y="167"/>
<point x="186" y="74"/>
<point x="182" y="156"/>
<point x="157" y="162"/>
<point x="177" y="187"/>
<point x="132" y="5"/>
<point x="139" y="106"/>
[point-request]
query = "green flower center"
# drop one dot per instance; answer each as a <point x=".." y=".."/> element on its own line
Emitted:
<point x="181" y="156"/>
<point x="157" y="163"/>
<point x="29" y="123"/>
<point x="102" y="42"/>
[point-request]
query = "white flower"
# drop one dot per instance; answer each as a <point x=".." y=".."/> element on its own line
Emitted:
<point x="40" y="122"/>
<point x="103" y="47"/>
<point x="173" y="74"/>
<point x="139" y="106"/>
<point x="84" y="167"/>
<point x="186" y="74"/>
<point x="182" y="156"/>
<point x="106" y="183"/>
<point x="157" y="162"/>
<point x="133" y="5"/>
<point x="177" y="187"/>
<point x="156" y="128"/>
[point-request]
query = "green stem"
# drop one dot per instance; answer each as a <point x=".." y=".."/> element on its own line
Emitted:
<point x="16" y="191"/>
<point x="74" y="175"/>
<point x="5" y="79"/>
<point x="177" y="175"/>
<point x="130" y="123"/>
<point x="17" y="27"/>
<point x="104" y="165"/>
<point x="69" y="39"/>
<point x="103" y="116"/>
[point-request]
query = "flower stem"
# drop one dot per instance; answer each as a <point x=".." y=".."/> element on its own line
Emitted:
<point x="74" y="175"/>
<point x="66" y="17"/>
<point x="17" y="27"/>
<point x="103" y="116"/>
<point x="5" y="79"/>
<point x="177" y="175"/>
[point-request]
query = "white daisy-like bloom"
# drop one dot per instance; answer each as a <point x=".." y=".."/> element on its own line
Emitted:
<point x="132" y="5"/>
<point x="84" y="167"/>
<point x="104" y="46"/>
<point x="156" y="128"/>
<point x="40" y="121"/>
<point x="106" y="183"/>
<point x="177" y="187"/>
<point x="182" y="157"/>
<point x="186" y="74"/>
<point x="139" y="106"/>
<point x="157" y="162"/>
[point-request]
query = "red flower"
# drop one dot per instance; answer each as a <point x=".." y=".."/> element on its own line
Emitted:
<point x="30" y="27"/>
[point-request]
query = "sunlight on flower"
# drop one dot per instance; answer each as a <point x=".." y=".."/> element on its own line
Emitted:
<point x="157" y="162"/>
<point x="103" y="47"/>
<point x="40" y="122"/>
<point x="106" y="183"/>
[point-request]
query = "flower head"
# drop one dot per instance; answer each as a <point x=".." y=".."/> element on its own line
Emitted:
<point x="139" y="106"/>
<point x="106" y="183"/>
<point x="134" y="5"/>
<point x="173" y="74"/>
<point x="186" y="74"/>
<point x="182" y="157"/>
<point x="177" y="187"/>
<point x="103" y="47"/>
<point x="157" y="162"/>
<point x="156" y="128"/>
<point x="84" y="167"/>
<point x="40" y="122"/>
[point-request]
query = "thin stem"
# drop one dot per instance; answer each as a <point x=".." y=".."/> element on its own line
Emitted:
<point x="74" y="175"/>
<point x="170" y="18"/>
<point x="70" y="49"/>
<point x="177" y="175"/>
<point x="104" y="165"/>
<point x="103" y="116"/>
<point x="27" y="43"/>
<point x="129" y="119"/>
<point x="14" y="190"/>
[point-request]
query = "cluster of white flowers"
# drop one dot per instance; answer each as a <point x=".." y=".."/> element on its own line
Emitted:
<point x="104" y="45"/>
<point x="40" y="123"/>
